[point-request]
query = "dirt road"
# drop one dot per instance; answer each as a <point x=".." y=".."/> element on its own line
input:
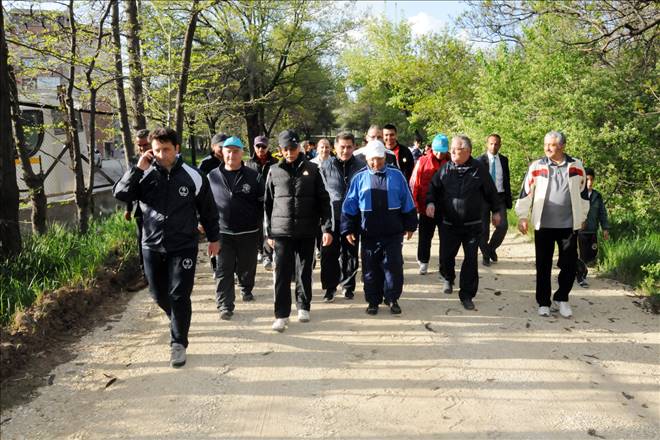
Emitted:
<point x="436" y="371"/>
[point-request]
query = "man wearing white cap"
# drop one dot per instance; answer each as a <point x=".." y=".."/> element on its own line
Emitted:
<point x="380" y="210"/>
<point x="238" y="192"/>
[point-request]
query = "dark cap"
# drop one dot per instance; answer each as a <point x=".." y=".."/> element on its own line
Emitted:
<point x="219" y="138"/>
<point x="261" y="140"/>
<point x="287" y="139"/>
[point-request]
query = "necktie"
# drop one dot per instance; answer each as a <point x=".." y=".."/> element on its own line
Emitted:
<point x="493" y="170"/>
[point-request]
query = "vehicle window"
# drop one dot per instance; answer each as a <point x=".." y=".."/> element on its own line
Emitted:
<point x="33" y="129"/>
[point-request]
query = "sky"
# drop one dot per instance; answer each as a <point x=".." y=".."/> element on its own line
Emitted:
<point x="424" y="16"/>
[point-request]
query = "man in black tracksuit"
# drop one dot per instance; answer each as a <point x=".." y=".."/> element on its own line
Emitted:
<point x="261" y="161"/>
<point x="239" y="193"/>
<point x="142" y="145"/>
<point x="296" y="205"/>
<point x="213" y="160"/>
<point x="339" y="261"/>
<point x="457" y="195"/>
<point x="172" y="195"/>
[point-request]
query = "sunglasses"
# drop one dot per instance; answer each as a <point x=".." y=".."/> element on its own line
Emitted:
<point x="261" y="146"/>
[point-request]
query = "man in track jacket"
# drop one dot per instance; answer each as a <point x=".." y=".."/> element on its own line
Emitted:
<point x="238" y="192"/>
<point x="296" y="205"/>
<point x="457" y="197"/>
<point x="172" y="195"/>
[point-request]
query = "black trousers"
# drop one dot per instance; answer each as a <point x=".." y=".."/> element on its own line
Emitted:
<point x="339" y="264"/>
<point x="588" y="246"/>
<point x="139" y="221"/>
<point x="293" y="261"/>
<point x="544" y="244"/>
<point x="264" y="247"/>
<point x="427" y="227"/>
<point x="237" y="255"/>
<point x="382" y="268"/>
<point x="489" y="246"/>
<point x="171" y="276"/>
<point x="451" y="239"/>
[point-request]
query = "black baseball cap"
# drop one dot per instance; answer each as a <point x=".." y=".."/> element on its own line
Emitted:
<point x="219" y="138"/>
<point x="288" y="139"/>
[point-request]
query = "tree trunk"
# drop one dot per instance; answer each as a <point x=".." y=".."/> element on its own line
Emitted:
<point x="251" y="116"/>
<point x="10" y="234"/>
<point x="71" y="129"/>
<point x="34" y="182"/>
<point x="119" y="87"/>
<point x="135" y="64"/>
<point x="185" y="67"/>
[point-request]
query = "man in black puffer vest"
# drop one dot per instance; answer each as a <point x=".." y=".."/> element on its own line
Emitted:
<point x="296" y="205"/>
<point x="239" y="195"/>
<point x="339" y="261"/>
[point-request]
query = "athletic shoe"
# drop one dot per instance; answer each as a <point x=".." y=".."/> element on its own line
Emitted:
<point x="177" y="355"/>
<point x="268" y="264"/>
<point x="303" y="315"/>
<point x="372" y="309"/>
<point x="247" y="297"/>
<point x="423" y="268"/>
<point x="280" y="324"/>
<point x="565" y="309"/>
<point x="329" y="295"/>
<point x="259" y="257"/>
<point x="386" y="302"/>
<point x="349" y="294"/>
<point x="493" y="257"/>
<point x="226" y="315"/>
<point x="486" y="261"/>
<point x="447" y="287"/>
<point x="544" y="311"/>
<point x="583" y="283"/>
<point x="467" y="304"/>
<point x="395" y="309"/>
<point x="554" y="307"/>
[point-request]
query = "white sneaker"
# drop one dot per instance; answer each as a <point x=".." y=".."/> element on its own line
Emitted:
<point x="280" y="324"/>
<point x="544" y="311"/>
<point x="303" y="315"/>
<point x="423" y="268"/>
<point x="554" y="308"/>
<point x="565" y="309"/>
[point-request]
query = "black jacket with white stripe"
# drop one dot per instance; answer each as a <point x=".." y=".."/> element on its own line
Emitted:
<point x="171" y="203"/>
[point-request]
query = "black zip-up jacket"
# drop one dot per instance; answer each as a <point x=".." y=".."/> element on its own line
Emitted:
<point x="258" y="167"/>
<point x="406" y="162"/>
<point x="460" y="193"/>
<point x="170" y="202"/>
<point x="337" y="175"/>
<point x="296" y="202"/>
<point x="209" y="163"/>
<point x="241" y="206"/>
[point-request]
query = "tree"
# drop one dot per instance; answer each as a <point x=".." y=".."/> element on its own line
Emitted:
<point x="10" y="234"/>
<point x="135" y="64"/>
<point x="185" y="66"/>
<point x="125" y="127"/>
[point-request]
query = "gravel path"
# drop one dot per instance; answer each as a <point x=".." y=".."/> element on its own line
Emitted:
<point x="436" y="371"/>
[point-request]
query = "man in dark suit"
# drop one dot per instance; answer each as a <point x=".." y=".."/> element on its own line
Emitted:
<point x="498" y="168"/>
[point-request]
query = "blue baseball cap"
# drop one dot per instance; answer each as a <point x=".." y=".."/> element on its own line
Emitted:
<point x="440" y="144"/>
<point x="233" y="142"/>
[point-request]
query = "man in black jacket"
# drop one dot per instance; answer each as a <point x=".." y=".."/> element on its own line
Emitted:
<point x="498" y="168"/>
<point x="457" y="195"/>
<point x="239" y="194"/>
<point x="404" y="157"/>
<point x="339" y="261"/>
<point x="213" y="160"/>
<point x="296" y="205"/>
<point x="141" y="143"/>
<point x="261" y="161"/>
<point x="172" y="195"/>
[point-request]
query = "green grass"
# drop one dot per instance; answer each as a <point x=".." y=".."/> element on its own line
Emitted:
<point x="59" y="258"/>
<point x="633" y="260"/>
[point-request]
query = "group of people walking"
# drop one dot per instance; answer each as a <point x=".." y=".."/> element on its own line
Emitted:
<point x="355" y="204"/>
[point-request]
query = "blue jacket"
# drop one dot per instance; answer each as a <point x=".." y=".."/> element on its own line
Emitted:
<point x="378" y="204"/>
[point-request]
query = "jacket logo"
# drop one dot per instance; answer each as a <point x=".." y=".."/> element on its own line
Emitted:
<point x="183" y="191"/>
<point x="246" y="188"/>
<point x="404" y="159"/>
<point x="187" y="263"/>
<point x="305" y="173"/>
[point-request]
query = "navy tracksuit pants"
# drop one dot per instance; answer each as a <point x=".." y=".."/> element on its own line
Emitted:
<point x="237" y="256"/>
<point x="171" y="276"/>
<point x="451" y="239"/>
<point x="382" y="268"/>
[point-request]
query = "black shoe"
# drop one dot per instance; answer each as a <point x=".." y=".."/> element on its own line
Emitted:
<point x="468" y="304"/>
<point x="247" y="297"/>
<point x="372" y="309"/>
<point x="493" y="257"/>
<point x="395" y="309"/>
<point x="447" y="287"/>
<point x="329" y="295"/>
<point x="226" y="314"/>
<point x="486" y="261"/>
<point x="348" y="294"/>
<point x="386" y="301"/>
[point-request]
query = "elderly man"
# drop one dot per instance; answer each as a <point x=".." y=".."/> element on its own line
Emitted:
<point x="498" y="167"/>
<point x="238" y="192"/>
<point x="457" y="197"/>
<point x="339" y="261"/>
<point x="555" y="190"/>
<point x="379" y="209"/>
<point x="296" y="205"/>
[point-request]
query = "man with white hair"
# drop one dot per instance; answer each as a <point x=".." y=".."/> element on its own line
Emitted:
<point x="379" y="209"/>
<point x="555" y="191"/>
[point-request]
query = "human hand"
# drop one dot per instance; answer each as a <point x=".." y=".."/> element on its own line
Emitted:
<point x="430" y="210"/>
<point x="606" y="234"/>
<point x="146" y="160"/>
<point x="326" y="239"/>
<point x="127" y="216"/>
<point x="409" y="234"/>
<point x="351" y="239"/>
<point x="522" y="226"/>
<point x="497" y="219"/>
<point x="214" y="248"/>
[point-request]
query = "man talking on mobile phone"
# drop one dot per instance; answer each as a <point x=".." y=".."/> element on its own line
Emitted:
<point x="173" y="197"/>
